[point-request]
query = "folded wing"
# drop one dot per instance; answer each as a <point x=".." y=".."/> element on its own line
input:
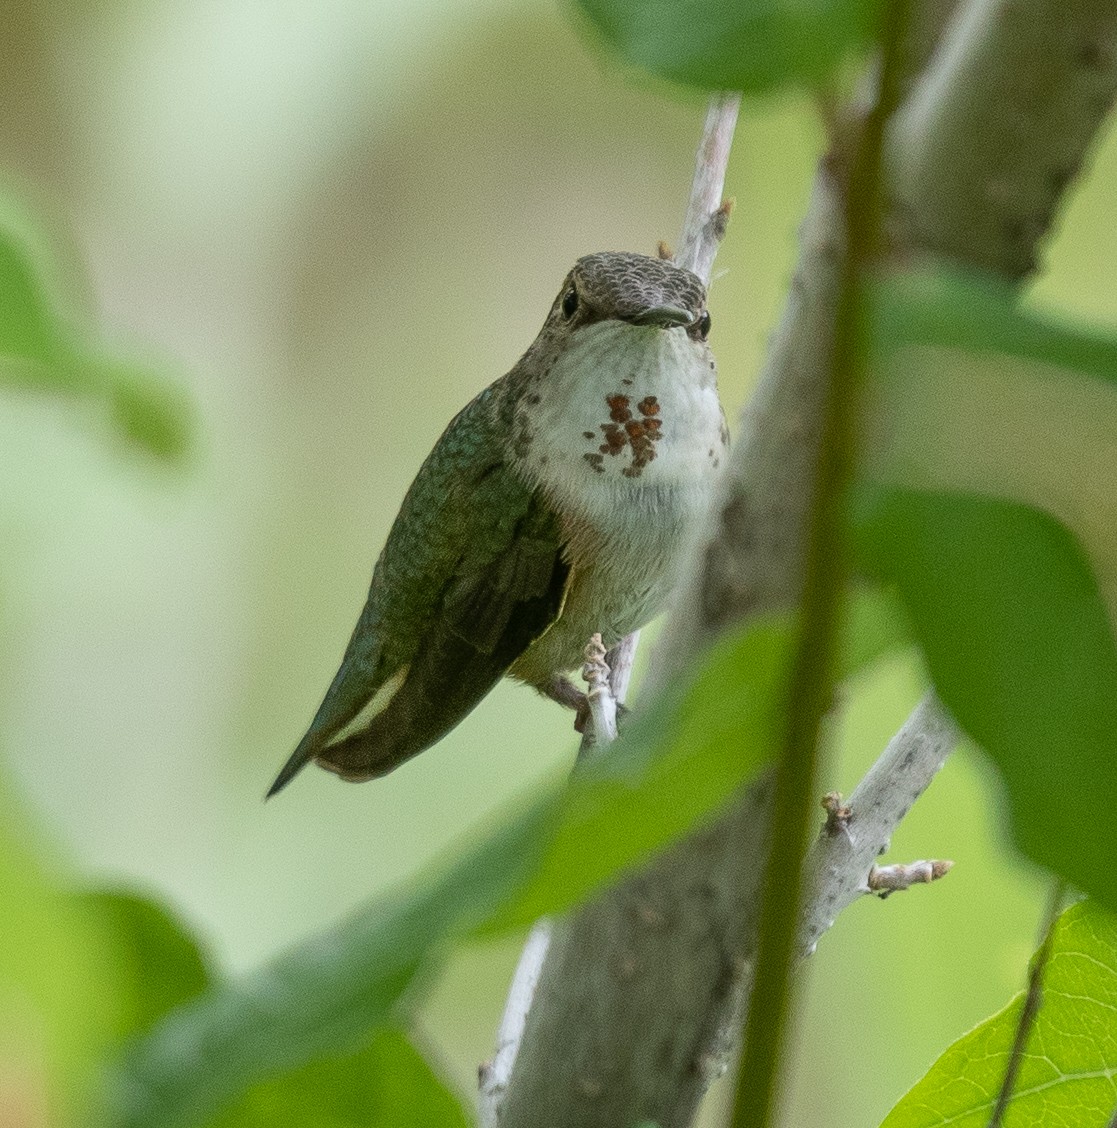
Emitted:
<point x="472" y="573"/>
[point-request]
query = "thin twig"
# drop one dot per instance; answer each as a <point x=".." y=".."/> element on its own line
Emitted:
<point x="1032" y="1001"/>
<point x="838" y="864"/>
<point x="603" y="692"/>
<point x="620" y="661"/>
<point x="601" y="730"/>
<point x="886" y="880"/>
<point x="494" y="1076"/>
<point x="707" y="212"/>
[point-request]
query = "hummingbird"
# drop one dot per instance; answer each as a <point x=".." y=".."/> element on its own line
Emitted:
<point x="558" y="504"/>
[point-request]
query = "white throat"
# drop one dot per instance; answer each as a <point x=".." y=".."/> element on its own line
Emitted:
<point x="628" y="416"/>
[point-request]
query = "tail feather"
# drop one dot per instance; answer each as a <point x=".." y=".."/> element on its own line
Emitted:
<point x="298" y="760"/>
<point x="335" y="727"/>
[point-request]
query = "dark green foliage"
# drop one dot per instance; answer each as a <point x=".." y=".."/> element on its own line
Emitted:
<point x="751" y="45"/>
<point x="1020" y="647"/>
<point x="991" y="507"/>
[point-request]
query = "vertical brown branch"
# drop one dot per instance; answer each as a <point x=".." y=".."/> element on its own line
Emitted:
<point x="812" y="678"/>
<point x="1029" y="1009"/>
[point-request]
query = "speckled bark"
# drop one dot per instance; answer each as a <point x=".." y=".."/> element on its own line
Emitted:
<point x="617" y="1036"/>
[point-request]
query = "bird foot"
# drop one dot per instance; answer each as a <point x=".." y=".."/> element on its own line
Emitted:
<point x="565" y="692"/>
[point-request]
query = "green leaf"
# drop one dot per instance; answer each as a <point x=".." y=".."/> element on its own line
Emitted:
<point x="974" y="395"/>
<point x="44" y="348"/>
<point x="1019" y="645"/>
<point x="319" y="1000"/>
<point x="58" y="985"/>
<point x="675" y="767"/>
<point x="1066" y="1074"/>
<point x="149" y="412"/>
<point x="991" y="501"/>
<point x="157" y="964"/>
<point x="28" y="326"/>
<point x="385" y="1085"/>
<point x="80" y="972"/>
<point x="956" y="309"/>
<point x="750" y="45"/>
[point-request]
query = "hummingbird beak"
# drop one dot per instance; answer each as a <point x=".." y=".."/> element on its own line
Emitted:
<point x="664" y="317"/>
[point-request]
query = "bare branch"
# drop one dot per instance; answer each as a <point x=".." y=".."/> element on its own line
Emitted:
<point x="493" y="1076"/>
<point x="604" y="688"/>
<point x="886" y="880"/>
<point x="839" y="867"/>
<point x="999" y="125"/>
<point x="599" y="694"/>
<point x="841" y="860"/>
<point x="618" y="1036"/>
<point x="620" y="661"/>
<point x="707" y="213"/>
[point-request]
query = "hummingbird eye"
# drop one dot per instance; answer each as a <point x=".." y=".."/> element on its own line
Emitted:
<point x="702" y="325"/>
<point x="570" y="303"/>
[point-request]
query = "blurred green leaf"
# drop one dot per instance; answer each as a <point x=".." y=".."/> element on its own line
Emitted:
<point x="682" y="759"/>
<point x="1020" y="647"/>
<point x="43" y="349"/>
<point x="318" y="1000"/>
<point x="992" y="504"/>
<point x="676" y="766"/>
<point x="946" y="308"/>
<point x="875" y="625"/>
<point x="974" y="395"/>
<point x="751" y="45"/>
<point x="385" y="1085"/>
<point x="149" y="412"/>
<point x="27" y="324"/>
<point x="80" y="973"/>
<point x="1066" y="1074"/>
<point x="679" y="763"/>
<point x="158" y="966"/>
<point x="59" y="1000"/>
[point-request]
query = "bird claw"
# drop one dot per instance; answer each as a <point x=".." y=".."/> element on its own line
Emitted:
<point x="566" y="693"/>
<point x="582" y="715"/>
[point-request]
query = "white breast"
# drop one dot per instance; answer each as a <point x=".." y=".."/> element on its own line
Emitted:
<point x="624" y="433"/>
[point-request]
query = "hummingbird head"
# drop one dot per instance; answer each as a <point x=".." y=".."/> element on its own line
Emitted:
<point x="632" y="288"/>
<point x="619" y="389"/>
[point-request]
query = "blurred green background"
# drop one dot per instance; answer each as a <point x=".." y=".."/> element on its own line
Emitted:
<point x="333" y="223"/>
